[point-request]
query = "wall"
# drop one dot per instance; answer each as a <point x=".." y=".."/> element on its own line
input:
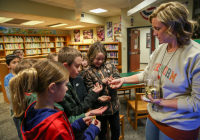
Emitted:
<point x="114" y="19"/>
<point x="144" y="55"/>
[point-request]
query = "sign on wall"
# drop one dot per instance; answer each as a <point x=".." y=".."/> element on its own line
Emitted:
<point x="109" y="29"/>
<point x="100" y="34"/>
<point x="76" y="35"/>
<point x="88" y="34"/>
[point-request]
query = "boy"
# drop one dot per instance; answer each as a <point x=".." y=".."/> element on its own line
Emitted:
<point x="19" y="53"/>
<point x="71" y="58"/>
<point x="53" y="56"/>
<point x="11" y="61"/>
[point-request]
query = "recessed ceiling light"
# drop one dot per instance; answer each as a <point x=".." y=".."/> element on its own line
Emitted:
<point x="56" y="25"/>
<point x="32" y="22"/>
<point x="4" y="19"/>
<point x="99" y="10"/>
<point x="77" y="26"/>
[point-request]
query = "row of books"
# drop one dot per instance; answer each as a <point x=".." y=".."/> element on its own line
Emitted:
<point x="111" y="47"/>
<point x="84" y="48"/>
<point x="73" y="46"/>
<point x="1" y="46"/>
<point x="13" y="39"/>
<point x="114" y="61"/>
<point x="32" y="39"/>
<point x="14" y="46"/>
<point x="57" y="49"/>
<point x="48" y="50"/>
<point x="33" y="51"/>
<point x="45" y="39"/>
<point x="112" y="54"/>
<point x="61" y="39"/>
<point x="45" y="45"/>
<point x="33" y="45"/>
<point x="9" y="52"/>
<point x="61" y="44"/>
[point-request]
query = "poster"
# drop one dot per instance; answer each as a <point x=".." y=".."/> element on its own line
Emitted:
<point x="109" y="29"/>
<point x="117" y="28"/>
<point x="76" y="35"/>
<point x="100" y="34"/>
<point x="148" y="40"/>
<point x="88" y="34"/>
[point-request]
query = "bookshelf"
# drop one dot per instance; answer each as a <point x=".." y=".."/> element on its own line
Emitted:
<point x="31" y="45"/>
<point x="61" y="41"/>
<point x="113" y="52"/>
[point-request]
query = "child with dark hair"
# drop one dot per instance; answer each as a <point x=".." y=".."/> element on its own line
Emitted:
<point x="11" y="61"/>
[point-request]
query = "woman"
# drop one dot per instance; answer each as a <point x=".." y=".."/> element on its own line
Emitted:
<point x="177" y="63"/>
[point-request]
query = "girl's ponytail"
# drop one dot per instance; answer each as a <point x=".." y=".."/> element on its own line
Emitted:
<point x="24" y="81"/>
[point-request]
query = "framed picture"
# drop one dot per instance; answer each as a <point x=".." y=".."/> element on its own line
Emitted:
<point x="76" y="35"/>
<point x="117" y="28"/>
<point x="88" y="34"/>
<point x="148" y="41"/>
<point x="109" y="29"/>
<point x="100" y="34"/>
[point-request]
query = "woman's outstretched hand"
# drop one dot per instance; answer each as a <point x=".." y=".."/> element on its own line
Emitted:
<point x="116" y="83"/>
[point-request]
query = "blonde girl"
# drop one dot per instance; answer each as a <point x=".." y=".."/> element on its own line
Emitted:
<point x="42" y="120"/>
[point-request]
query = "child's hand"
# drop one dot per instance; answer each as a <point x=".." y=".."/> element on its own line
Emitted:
<point x="87" y="120"/>
<point x="105" y="81"/>
<point x="96" y="112"/>
<point x="97" y="88"/>
<point x="97" y="123"/>
<point x="104" y="98"/>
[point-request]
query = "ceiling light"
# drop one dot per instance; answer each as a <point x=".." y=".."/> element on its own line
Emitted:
<point x="99" y="10"/>
<point x="77" y="26"/>
<point x="140" y="6"/>
<point x="4" y="19"/>
<point x="56" y="25"/>
<point x="32" y="22"/>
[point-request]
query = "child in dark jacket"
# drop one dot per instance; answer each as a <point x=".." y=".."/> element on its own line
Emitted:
<point x="42" y="119"/>
<point x="101" y="71"/>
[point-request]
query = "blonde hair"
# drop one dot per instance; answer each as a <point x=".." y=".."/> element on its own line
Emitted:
<point x="175" y="16"/>
<point x="94" y="49"/>
<point x="67" y="54"/>
<point x="35" y="79"/>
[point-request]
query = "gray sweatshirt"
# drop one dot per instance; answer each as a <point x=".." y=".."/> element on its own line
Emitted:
<point x="180" y="79"/>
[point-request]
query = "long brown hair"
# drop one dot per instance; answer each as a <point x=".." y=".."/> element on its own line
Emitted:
<point x="35" y="79"/>
<point x="94" y="50"/>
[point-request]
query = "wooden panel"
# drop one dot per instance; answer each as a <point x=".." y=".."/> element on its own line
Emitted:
<point x="3" y="73"/>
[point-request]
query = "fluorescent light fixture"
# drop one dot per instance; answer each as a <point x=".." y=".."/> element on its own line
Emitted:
<point x="61" y="24"/>
<point x="5" y="19"/>
<point x="77" y="26"/>
<point x="32" y="22"/>
<point x="140" y="6"/>
<point x="99" y="10"/>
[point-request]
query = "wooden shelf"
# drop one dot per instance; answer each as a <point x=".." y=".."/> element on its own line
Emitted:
<point x="32" y="42"/>
<point x="13" y="42"/>
<point x="113" y="57"/>
<point x="112" y="50"/>
<point x="83" y="50"/>
<point x="33" y="39"/>
<point x="13" y="49"/>
<point x="32" y="48"/>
